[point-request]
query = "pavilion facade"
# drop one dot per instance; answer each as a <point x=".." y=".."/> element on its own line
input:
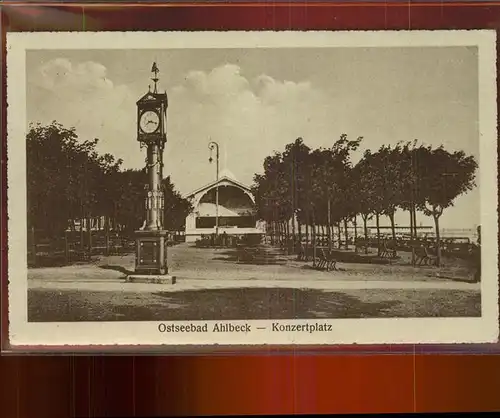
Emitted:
<point x="236" y="212"/>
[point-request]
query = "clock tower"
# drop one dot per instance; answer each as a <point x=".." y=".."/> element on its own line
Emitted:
<point x="151" y="239"/>
<point x="152" y="135"/>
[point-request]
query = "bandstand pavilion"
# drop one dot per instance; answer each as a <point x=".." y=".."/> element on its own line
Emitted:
<point x="236" y="209"/>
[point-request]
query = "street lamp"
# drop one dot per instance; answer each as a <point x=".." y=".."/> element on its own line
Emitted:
<point x="211" y="146"/>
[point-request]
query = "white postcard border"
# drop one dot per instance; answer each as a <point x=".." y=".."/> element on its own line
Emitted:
<point x="343" y="331"/>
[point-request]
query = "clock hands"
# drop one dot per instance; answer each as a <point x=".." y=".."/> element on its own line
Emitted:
<point x="150" y="118"/>
<point x="151" y="121"/>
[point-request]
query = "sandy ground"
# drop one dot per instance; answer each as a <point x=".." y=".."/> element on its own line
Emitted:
<point x="250" y="303"/>
<point x="211" y="284"/>
<point x="193" y="265"/>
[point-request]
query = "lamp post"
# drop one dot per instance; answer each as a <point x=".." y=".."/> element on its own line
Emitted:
<point x="211" y="146"/>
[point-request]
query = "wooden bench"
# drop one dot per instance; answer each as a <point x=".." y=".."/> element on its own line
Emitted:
<point x="245" y="255"/>
<point x="326" y="261"/>
<point x="387" y="252"/>
<point x="79" y="255"/>
<point x="362" y="244"/>
<point x="423" y="256"/>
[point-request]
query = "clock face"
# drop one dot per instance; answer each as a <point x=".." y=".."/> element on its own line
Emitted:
<point x="150" y="121"/>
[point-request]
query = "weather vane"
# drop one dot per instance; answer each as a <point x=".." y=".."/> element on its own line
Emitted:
<point x="155" y="70"/>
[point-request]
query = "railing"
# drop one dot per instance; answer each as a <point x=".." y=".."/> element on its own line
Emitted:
<point x="458" y="247"/>
<point x="75" y="246"/>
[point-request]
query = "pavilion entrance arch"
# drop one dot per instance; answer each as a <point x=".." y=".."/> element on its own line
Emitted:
<point x="237" y="211"/>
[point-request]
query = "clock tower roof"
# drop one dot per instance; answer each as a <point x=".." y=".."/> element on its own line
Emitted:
<point x="150" y="97"/>
<point x="154" y="96"/>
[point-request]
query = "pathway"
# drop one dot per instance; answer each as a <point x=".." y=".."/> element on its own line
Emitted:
<point x="216" y="269"/>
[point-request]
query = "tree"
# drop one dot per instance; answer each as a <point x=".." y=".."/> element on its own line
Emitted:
<point x="392" y="186"/>
<point x="371" y="167"/>
<point x="273" y="194"/>
<point x="131" y="203"/>
<point x="294" y="160"/>
<point x="176" y="207"/>
<point x="360" y="181"/>
<point x="342" y="150"/>
<point x="442" y="177"/>
<point x="67" y="180"/>
<point x="66" y="177"/>
<point x="310" y="185"/>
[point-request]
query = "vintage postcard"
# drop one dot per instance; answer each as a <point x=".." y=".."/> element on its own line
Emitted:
<point x="252" y="188"/>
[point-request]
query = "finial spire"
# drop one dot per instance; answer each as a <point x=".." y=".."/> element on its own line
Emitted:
<point x="155" y="78"/>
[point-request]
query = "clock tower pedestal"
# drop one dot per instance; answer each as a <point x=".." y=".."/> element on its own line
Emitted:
<point x="151" y="258"/>
<point x="151" y="241"/>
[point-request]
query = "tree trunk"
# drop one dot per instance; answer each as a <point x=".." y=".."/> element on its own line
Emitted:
<point x="365" y="229"/>
<point x="33" y="245"/>
<point x="314" y="239"/>
<point x="115" y="217"/>
<point x="82" y="234"/>
<point x="339" y="232"/>
<point x="89" y="230"/>
<point x="293" y="201"/>
<point x="393" y="229"/>
<point x="346" y="245"/>
<point x="393" y="226"/>
<point x="355" y="221"/>
<point x="415" y="226"/>
<point x="412" y="238"/>
<point x="106" y="231"/>
<point x="329" y="227"/>
<point x="66" y="247"/>
<point x="307" y="236"/>
<point x="378" y="235"/>
<point x="438" y="241"/>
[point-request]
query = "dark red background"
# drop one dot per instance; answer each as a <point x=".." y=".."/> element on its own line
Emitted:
<point x="285" y="383"/>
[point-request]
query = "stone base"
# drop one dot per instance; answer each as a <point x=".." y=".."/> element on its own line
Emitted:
<point x="151" y="278"/>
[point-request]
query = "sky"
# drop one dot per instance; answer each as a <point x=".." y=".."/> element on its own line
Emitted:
<point x="254" y="101"/>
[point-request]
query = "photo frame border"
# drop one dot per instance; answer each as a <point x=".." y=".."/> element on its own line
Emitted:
<point x="405" y="348"/>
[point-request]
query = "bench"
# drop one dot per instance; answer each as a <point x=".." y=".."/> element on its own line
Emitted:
<point x="326" y="261"/>
<point x="362" y="244"/>
<point x="423" y="256"/>
<point x="387" y="252"/>
<point x="245" y="255"/>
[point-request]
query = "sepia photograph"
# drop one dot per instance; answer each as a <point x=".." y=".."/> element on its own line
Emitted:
<point x="250" y="188"/>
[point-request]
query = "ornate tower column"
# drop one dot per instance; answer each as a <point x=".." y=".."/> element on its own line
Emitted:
<point x="151" y="241"/>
